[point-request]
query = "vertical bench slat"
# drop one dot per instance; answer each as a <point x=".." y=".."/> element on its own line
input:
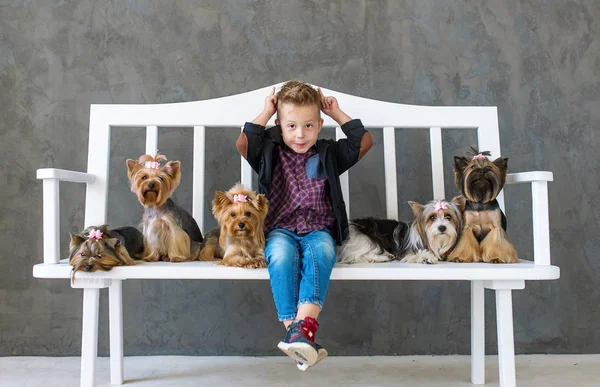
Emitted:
<point x="437" y="163"/>
<point x="98" y="163"/>
<point x="339" y="134"/>
<point x="391" y="185"/>
<point x="51" y="220"/>
<point x="246" y="172"/>
<point x="198" y="174"/>
<point x="541" y="223"/>
<point x="151" y="140"/>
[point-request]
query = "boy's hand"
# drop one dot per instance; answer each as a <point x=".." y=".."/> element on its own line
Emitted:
<point x="332" y="109"/>
<point x="269" y="109"/>
<point x="271" y="103"/>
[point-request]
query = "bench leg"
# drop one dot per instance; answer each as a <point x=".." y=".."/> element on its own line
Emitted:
<point x="115" y="294"/>
<point x="506" y="343"/>
<point x="89" y="336"/>
<point x="477" y="332"/>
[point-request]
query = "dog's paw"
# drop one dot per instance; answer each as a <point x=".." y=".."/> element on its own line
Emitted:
<point x="178" y="259"/>
<point x="464" y="257"/>
<point x="421" y="256"/>
<point x="151" y="258"/>
<point x="256" y="264"/>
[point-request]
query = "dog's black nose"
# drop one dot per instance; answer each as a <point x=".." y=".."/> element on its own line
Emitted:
<point x="150" y="185"/>
<point x="442" y="228"/>
<point x="241" y="225"/>
<point x="88" y="267"/>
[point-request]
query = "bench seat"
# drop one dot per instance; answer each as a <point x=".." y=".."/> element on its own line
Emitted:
<point x="524" y="270"/>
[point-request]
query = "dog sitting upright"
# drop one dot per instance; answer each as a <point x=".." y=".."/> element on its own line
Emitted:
<point x="428" y="239"/>
<point x="101" y="248"/>
<point x="484" y="236"/>
<point x="240" y="239"/>
<point x="170" y="232"/>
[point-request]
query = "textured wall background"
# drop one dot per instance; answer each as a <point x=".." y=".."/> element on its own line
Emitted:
<point x="537" y="60"/>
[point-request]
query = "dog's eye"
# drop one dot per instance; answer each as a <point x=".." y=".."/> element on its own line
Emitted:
<point x="448" y="217"/>
<point x="233" y="214"/>
<point x="160" y="178"/>
<point x="99" y="256"/>
<point x="144" y="177"/>
<point x="247" y="214"/>
<point x="82" y="254"/>
<point x="432" y="217"/>
<point x="473" y="167"/>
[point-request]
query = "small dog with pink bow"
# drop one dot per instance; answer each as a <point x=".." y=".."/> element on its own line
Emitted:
<point x="428" y="239"/>
<point x="240" y="238"/>
<point x="102" y="248"/>
<point x="170" y="233"/>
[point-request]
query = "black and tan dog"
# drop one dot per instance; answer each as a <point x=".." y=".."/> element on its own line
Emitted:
<point x="484" y="236"/>
<point x="170" y="232"/>
<point x="101" y="248"/>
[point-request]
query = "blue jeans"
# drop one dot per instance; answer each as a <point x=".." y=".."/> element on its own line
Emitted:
<point x="299" y="268"/>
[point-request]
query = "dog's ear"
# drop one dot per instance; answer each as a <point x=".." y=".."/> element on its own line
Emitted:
<point x="460" y="163"/>
<point x="416" y="207"/>
<point x="220" y="204"/>
<point x="173" y="169"/>
<point x="502" y="164"/>
<point x="261" y="204"/>
<point x="132" y="167"/>
<point x="112" y="243"/>
<point x="460" y="202"/>
<point x="76" y="241"/>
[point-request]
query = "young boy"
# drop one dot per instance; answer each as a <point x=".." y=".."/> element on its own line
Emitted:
<point x="299" y="174"/>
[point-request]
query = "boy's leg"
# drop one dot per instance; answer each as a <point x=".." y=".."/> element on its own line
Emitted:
<point x="318" y="257"/>
<point x="283" y="259"/>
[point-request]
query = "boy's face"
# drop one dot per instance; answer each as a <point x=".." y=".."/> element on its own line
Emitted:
<point x="300" y="125"/>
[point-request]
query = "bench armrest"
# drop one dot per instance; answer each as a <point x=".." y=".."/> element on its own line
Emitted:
<point x="529" y="177"/>
<point x="539" y="209"/>
<point x="51" y="209"/>
<point x="64" y="175"/>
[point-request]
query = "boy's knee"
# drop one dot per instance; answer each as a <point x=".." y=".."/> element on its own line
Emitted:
<point x="280" y="249"/>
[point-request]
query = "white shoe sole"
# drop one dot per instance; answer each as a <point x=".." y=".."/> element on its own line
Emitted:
<point x="322" y="355"/>
<point x="300" y="352"/>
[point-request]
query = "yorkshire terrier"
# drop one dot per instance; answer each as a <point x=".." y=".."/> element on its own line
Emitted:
<point x="240" y="238"/>
<point x="170" y="232"/>
<point x="484" y="236"/>
<point x="428" y="239"/>
<point x="101" y="248"/>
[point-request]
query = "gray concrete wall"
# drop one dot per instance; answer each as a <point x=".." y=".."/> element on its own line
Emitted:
<point x="538" y="61"/>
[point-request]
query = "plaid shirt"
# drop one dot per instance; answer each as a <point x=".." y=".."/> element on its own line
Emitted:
<point x="297" y="202"/>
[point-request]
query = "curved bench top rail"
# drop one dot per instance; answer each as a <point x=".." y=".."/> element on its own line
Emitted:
<point x="234" y="110"/>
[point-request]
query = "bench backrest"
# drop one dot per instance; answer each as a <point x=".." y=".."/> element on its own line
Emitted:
<point x="235" y="110"/>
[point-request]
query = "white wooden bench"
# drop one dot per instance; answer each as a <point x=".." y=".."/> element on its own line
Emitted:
<point x="233" y="111"/>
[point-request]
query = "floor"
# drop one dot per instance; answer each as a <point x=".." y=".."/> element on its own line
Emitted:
<point x="422" y="371"/>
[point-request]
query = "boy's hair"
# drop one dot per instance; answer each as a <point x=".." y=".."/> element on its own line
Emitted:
<point x="299" y="93"/>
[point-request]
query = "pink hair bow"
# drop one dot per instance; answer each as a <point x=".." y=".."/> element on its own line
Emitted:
<point x="239" y="198"/>
<point x="441" y="205"/>
<point x="95" y="234"/>
<point x="152" y="164"/>
<point x="479" y="156"/>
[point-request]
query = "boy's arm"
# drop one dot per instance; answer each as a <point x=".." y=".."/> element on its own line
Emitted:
<point x="253" y="134"/>
<point x="358" y="140"/>
<point x="357" y="143"/>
